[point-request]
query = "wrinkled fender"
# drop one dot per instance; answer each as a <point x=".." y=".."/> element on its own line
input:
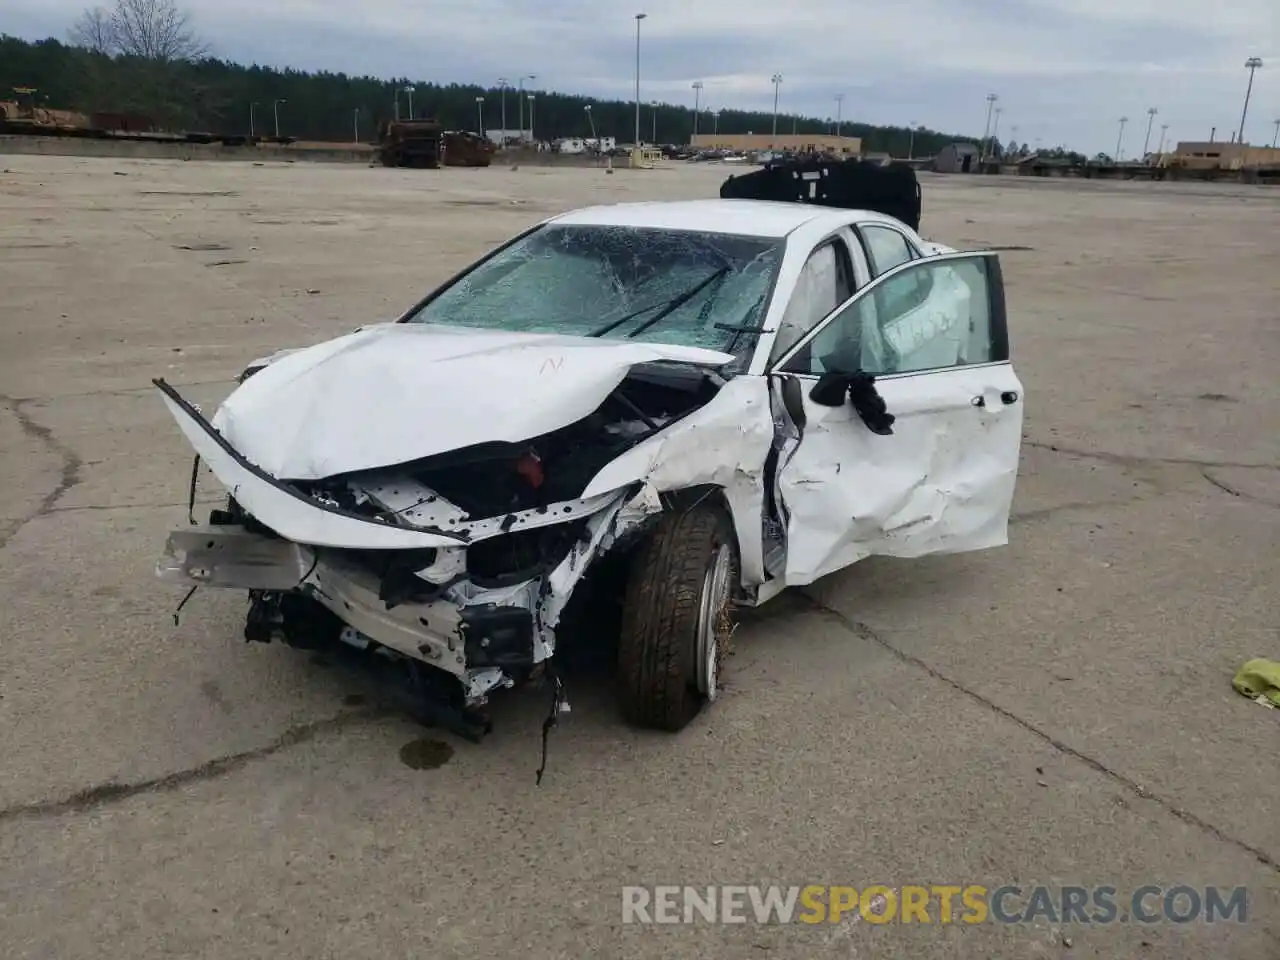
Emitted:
<point x="724" y="445"/>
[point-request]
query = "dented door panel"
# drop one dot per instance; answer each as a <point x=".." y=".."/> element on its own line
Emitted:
<point x="943" y="482"/>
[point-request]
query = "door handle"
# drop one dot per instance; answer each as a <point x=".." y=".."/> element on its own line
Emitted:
<point x="1007" y="397"/>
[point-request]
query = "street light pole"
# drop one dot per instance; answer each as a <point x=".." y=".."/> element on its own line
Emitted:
<point x="480" y="113"/>
<point x="654" y="105"/>
<point x="1120" y="138"/>
<point x="639" y="17"/>
<point x="1252" y="64"/>
<point x="839" y="112"/>
<point x="409" y="90"/>
<point x="995" y="131"/>
<point x="251" y="108"/>
<point x="356" y="119"/>
<point x="911" y="144"/>
<point x="777" y="83"/>
<point x="986" y="131"/>
<point x="1151" y="119"/>
<point x="1164" y="128"/>
<point x="715" y="130"/>
<point x="531" y="116"/>
<point x="503" y="83"/>
<point x="275" y="107"/>
<point x="592" y="121"/>
<point x="697" y="104"/>
<point x="520" y="101"/>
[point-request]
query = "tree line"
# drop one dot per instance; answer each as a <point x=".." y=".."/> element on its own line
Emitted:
<point x="141" y="57"/>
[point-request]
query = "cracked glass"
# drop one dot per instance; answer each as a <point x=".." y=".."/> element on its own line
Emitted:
<point x="665" y="286"/>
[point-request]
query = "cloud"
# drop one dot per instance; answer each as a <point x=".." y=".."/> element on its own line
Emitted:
<point x="1065" y="70"/>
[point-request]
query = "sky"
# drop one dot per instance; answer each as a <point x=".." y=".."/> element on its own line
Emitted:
<point x="1065" y="71"/>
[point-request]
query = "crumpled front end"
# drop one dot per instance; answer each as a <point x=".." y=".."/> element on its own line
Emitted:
<point x="463" y="560"/>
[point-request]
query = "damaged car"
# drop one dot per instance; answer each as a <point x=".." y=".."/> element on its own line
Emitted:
<point x="709" y="400"/>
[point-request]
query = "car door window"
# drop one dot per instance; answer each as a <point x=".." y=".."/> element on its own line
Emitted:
<point x="825" y="282"/>
<point x="886" y="248"/>
<point x="933" y="314"/>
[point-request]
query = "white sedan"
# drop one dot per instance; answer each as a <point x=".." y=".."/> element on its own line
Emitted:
<point x="679" y="407"/>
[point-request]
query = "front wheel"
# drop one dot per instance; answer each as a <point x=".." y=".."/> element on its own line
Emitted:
<point x="677" y="618"/>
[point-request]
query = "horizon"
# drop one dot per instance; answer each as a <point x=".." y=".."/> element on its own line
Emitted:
<point x="1055" y="65"/>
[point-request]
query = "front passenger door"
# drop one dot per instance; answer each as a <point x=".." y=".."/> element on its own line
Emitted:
<point x="934" y="333"/>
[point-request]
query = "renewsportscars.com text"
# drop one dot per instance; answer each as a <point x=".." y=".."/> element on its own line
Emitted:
<point x="940" y="904"/>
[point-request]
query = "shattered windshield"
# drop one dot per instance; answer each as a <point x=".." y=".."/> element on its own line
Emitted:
<point x="664" y="286"/>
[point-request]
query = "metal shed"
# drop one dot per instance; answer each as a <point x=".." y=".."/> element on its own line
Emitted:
<point x="957" y="158"/>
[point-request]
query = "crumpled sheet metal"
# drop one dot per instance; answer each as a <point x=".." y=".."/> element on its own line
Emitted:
<point x="394" y="393"/>
<point x="723" y="444"/>
<point x="927" y="488"/>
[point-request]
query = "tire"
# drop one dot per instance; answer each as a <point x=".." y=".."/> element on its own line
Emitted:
<point x="669" y="659"/>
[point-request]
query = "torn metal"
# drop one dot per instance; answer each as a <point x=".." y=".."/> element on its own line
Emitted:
<point x="464" y="559"/>
<point x="451" y="490"/>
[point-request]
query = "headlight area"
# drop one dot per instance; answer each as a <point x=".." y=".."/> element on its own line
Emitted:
<point x="485" y="612"/>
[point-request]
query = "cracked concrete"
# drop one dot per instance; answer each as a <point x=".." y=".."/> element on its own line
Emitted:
<point x="69" y="470"/>
<point x="1137" y="789"/>
<point x="1058" y="711"/>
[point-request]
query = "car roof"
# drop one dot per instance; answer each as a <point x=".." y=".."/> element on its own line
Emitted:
<point x="744" y="218"/>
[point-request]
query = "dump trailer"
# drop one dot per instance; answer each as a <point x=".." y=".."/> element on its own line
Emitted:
<point x="463" y="149"/>
<point x="409" y="143"/>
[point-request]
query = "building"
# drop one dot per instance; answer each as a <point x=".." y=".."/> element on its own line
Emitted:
<point x="1198" y="155"/>
<point x="783" y="142"/>
<point x="957" y="158"/>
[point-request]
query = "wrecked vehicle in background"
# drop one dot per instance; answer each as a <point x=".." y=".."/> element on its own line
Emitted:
<point x="714" y="399"/>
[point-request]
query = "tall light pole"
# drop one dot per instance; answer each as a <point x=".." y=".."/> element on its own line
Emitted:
<point x="480" y="113"/>
<point x="275" y="108"/>
<point x="653" y="105"/>
<point x="356" y="127"/>
<point x="409" y="90"/>
<point x="520" y="100"/>
<point x="1151" y="119"/>
<point x="911" y="144"/>
<point x="1164" y="129"/>
<point x="1120" y="139"/>
<point x="995" y="131"/>
<point x="986" y="131"/>
<point x="776" y="79"/>
<point x="252" y="105"/>
<point x="1276" y="137"/>
<point x="592" y="121"/>
<point x="639" y="17"/>
<point x="503" y="83"/>
<point x="1252" y="65"/>
<point x="839" y="112"/>
<point x="531" y="98"/>
<point x="715" y="130"/>
<point x="697" y="104"/>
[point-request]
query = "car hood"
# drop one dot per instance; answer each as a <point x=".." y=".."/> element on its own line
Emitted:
<point x="390" y="394"/>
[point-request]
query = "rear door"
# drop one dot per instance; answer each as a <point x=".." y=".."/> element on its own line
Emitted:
<point x="933" y="332"/>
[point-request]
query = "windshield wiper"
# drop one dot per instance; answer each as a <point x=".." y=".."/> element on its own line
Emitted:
<point x="668" y="308"/>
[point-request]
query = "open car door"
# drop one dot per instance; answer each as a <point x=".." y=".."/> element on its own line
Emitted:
<point x="938" y="476"/>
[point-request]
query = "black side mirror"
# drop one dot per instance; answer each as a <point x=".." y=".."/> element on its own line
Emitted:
<point x="860" y="387"/>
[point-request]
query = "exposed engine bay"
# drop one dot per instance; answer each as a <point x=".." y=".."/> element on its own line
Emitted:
<point x="517" y="536"/>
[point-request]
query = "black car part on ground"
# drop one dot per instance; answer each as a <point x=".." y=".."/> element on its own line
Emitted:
<point x="892" y="190"/>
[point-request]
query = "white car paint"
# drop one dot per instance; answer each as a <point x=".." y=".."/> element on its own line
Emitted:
<point x="399" y="392"/>
<point x="392" y="393"/>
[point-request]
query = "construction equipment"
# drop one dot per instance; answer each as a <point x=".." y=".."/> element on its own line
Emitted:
<point x="462" y="149"/>
<point x="23" y="115"/>
<point x="409" y="143"/>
